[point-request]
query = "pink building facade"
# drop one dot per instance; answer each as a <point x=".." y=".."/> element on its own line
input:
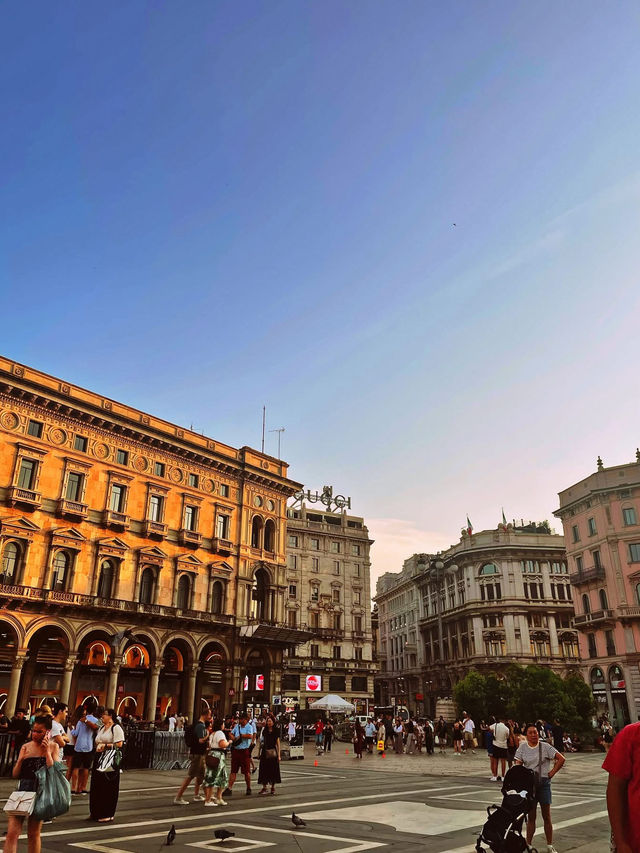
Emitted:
<point x="601" y="520"/>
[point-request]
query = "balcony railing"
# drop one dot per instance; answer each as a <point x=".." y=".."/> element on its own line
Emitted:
<point x="594" y="573"/>
<point x="329" y="633"/>
<point x="76" y="599"/>
<point x="115" y="519"/>
<point x="189" y="537"/>
<point x="628" y="611"/>
<point x="222" y="546"/>
<point x="598" y="617"/>
<point x="75" y="509"/>
<point x="26" y="497"/>
<point x="154" y="529"/>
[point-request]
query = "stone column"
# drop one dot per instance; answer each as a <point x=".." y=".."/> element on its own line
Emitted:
<point x="69" y="666"/>
<point x="113" y="683"/>
<point x="553" y="636"/>
<point x="152" y="695"/>
<point x="14" y="685"/>
<point x="191" y="692"/>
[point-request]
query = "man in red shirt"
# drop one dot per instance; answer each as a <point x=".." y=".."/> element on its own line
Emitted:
<point x="623" y="791"/>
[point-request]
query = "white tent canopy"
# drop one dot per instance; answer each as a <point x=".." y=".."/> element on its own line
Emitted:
<point x="333" y="703"/>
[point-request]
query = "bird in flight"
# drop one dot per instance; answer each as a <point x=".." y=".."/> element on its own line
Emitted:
<point x="297" y="821"/>
<point x="223" y="834"/>
<point x="455" y="224"/>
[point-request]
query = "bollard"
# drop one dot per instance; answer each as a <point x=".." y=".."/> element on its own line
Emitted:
<point x="315" y="763"/>
<point x="383" y="755"/>
<point x="346" y="752"/>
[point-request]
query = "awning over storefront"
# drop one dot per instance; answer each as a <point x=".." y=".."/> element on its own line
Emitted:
<point x="275" y="633"/>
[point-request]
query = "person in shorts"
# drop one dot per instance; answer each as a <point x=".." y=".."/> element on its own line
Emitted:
<point x="468" y="727"/>
<point x="545" y="761"/>
<point x="499" y="750"/>
<point x="241" y="753"/>
<point x="83" y="748"/>
<point x="196" y="766"/>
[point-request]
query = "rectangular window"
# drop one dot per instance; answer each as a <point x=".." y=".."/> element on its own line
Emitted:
<point x="315" y="593"/>
<point x="336" y="652"/>
<point x="292" y="561"/>
<point x="336" y="596"/>
<point x="591" y="642"/>
<point x="357" y="623"/>
<point x="357" y="595"/>
<point x="634" y="551"/>
<point x="224" y="490"/>
<point x="336" y="567"/>
<point x="314" y="650"/>
<point x="190" y="518"/>
<point x="315" y="564"/>
<point x="116" y="499"/>
<point x="575" y="533"/>
<point x="314" y="619"/>
<point x="27" y="474"/>
<point x="611" y="643"/>
<point x="629" y="516"/>
<point x="293" y="591"/>
<point x="158" y="469"/>
<point x="292" y="619"/>
<point x="74" y="487"/>
<point x="356" y="569"/>
<point x="559" y="568"/>
<point x="591" y="526"/>
<point x="194" y="480"/>
<point x="315" y="544"/>
<point x="155" y="508"/>
<point x="122" y="457"/>
<point x="335" y="547"/>
<point x="357" y="655"/>
<point x="35" y="429"/>
<point x="337" y="622"/>
<point x="80" y="443"/>
<point x="222" y="526"/>
<point x="355" y="550"/>
<point x="596" y="559"/>
<point x="579" y="563"/>
<point x="292" y="541"/>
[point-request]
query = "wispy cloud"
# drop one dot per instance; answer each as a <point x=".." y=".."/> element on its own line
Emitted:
<point x="395" y="540"/>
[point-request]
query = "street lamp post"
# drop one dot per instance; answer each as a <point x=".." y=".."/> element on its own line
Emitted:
<point x="437" y="570"/>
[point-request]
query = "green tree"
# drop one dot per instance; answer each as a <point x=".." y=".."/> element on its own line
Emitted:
<point x="470" y="694"/>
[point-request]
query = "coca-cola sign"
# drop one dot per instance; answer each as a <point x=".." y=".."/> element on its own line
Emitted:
<point x="259" y="682"/>
<point x="314" y="683"/>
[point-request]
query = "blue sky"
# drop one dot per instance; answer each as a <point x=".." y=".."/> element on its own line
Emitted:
<point x="208" y="206"/>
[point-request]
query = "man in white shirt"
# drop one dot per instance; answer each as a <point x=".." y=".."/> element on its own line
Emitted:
<point x="501" y="734"/>
<point x="468" y="727"/>
<point x="291" y="730"/>
<point x="172" y="723"/>
<point x="58" y="733"/>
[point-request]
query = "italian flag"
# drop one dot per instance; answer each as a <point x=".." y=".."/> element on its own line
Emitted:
<point x="469" y="527"/>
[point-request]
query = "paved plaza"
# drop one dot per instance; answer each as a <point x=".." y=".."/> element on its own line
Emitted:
<point x="399" y="803"/>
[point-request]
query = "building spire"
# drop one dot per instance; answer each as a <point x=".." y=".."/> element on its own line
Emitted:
<point x="600" y="465"/>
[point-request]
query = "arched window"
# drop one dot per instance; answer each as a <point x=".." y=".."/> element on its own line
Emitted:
<point x="638" y="593"/>
<point x="256" y="532"/>
<point x="147" y="586"/>
<point x="259" y="595"/>
<point x="604" y="602"/>
<point x="270" y="535"/>
<point x="597" y="678"/>
<point x="10" y="561"/>
<point x="489" y="569"/>
<point x="184" y="592"/>
<point x="60" y="570"/>
<point x="105" y="582"/>
<point x="586" y="604"/>
<point x="217" y="598"/>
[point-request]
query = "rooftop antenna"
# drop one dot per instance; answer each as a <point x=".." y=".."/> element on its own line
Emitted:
<point x="264" y="420"/>
<point x="279" y="431"/>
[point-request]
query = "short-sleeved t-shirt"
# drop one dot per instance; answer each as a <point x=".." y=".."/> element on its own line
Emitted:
<point x="530" y="757"/>
<point x="84" y="735"/>
<point x="56" y="728"/>
<point x="469" y="725"/>
<point x="500" y="735"/>
<point x="243" y="730"/>
<point x="215" y="740"/>
<point x="623" y="761"/>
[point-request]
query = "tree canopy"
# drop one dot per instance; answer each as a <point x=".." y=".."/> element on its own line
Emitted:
<point x="525" y="694"/>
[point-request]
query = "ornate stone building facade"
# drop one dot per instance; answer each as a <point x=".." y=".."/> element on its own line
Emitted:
<point x="329" y="589"/>
<point x="601" y="520"/>
<point x="140" y="562"/>
<point x="498" y="596"/>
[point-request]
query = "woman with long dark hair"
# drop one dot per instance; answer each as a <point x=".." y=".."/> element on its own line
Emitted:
<point x="105" y="778"/>
<point x="269" y="773"/>
<point x="358" y="738"/>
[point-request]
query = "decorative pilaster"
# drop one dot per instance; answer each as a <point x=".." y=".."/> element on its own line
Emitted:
<point x="113" y="683"/>
<point x="152" y="695"/>
<point x="14" y="684"/>
<point x="69" y="666"/>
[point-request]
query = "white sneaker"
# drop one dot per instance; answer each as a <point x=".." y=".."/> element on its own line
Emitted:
<point x="180" y="802"/>
<point x="493" y="779"/>
<point x="211" y="803"/>
<point x="551" y="849"/>
<point x="221" y="802"/>
<point x="199" y="797"/>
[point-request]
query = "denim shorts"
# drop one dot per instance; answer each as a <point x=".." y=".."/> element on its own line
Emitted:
<point x="543" y="792"/>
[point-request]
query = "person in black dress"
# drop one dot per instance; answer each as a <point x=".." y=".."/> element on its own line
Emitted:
<point x="269" y="773"/>
<point x="105" y="786"/>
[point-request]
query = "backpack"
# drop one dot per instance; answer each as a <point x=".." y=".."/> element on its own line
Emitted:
<point x="190" y="737"/>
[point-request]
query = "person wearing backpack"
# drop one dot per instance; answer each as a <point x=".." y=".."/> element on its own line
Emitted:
<point x="196" y="738"/>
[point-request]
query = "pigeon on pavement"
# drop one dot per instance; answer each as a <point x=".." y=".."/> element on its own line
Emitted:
<point x="297" y="821"/>
<point x="223" y="834"/>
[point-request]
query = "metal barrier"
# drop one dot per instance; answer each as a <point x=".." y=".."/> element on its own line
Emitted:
<point x="170" y="752"/>
<point x="138" y="749"/>
<point x="8" y="753"/>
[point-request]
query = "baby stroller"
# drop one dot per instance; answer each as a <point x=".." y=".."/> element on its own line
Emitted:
<point x="503" y="830"/>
